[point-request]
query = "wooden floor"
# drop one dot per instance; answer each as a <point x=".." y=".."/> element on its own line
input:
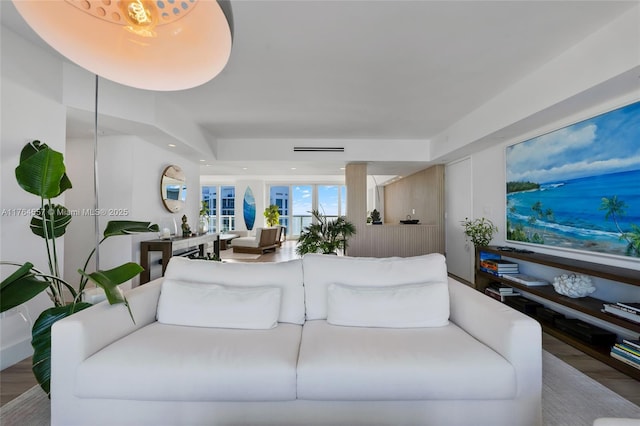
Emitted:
<point x="18" y="378"/>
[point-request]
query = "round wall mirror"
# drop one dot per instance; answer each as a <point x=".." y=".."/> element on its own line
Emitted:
<point x="173" y="188"/>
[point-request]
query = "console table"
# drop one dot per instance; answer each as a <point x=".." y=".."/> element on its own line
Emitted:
<point x="175" y="246"/>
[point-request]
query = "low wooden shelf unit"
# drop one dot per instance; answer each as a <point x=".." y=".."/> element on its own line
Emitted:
<point x="587" y="305"/>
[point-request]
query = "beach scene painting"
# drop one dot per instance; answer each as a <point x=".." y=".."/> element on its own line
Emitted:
<point x="579" y="187"/>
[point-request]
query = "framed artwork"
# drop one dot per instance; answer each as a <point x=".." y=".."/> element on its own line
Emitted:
<point x="578" y="187"/>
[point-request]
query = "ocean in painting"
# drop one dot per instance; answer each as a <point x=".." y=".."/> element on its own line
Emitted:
<point x="577" y="220"/>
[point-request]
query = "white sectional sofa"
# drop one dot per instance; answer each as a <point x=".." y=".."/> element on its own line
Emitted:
<point x="323" y="340"/>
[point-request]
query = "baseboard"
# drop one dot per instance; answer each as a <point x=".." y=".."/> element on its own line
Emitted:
<point x="15" y="353"/>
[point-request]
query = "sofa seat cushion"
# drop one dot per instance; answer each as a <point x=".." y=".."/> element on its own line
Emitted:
<point x="356" y="363"/>
<point x="175" y="363"/>
<point x="246" y="242"/>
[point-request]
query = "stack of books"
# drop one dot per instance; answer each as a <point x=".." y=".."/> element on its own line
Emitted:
<point x="626" y="310"/>
<point x="499" y="267"/>
<point x="628" y="352"/>
<point x="527" y="280"/>
<point x="499" y="291"/>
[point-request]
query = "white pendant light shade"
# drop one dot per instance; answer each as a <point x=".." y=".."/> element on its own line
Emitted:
<point x="154" y="45"/>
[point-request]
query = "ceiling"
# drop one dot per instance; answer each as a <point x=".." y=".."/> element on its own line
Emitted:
<point x="367" y="71"/>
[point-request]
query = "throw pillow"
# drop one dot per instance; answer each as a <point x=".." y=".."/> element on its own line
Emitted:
<point x="401" y="306"/>
<point x="213" y="305"/>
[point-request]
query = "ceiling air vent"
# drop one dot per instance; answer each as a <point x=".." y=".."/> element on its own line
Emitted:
<point x="317" y="149"/>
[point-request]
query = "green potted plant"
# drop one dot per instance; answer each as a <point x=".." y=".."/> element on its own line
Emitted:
<point x="375" y="217"/>
<point x="42" y="172"/>
<point x="272" y="215"/>
<point x="480" y="231"/>
<point x="325" y="236"/>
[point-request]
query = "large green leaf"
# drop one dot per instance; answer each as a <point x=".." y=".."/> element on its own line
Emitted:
<point x="110" y="280"/>
<point x="41" y="341"/>
<point x="41" y="171"/>
<point x="126" y="227"/>
<point x="20" y="287"/>
<point x="56" y="217"/>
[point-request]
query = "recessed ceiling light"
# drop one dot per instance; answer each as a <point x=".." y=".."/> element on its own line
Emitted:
<point x="293" y="168"/>
<point x="202" y="161"/>
<point x="207" y="165"/>
<point x="172" y="145"/>
<point x="244" y="168"/>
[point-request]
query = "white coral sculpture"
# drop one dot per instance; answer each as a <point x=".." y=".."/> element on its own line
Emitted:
<point x="573" y="285"/>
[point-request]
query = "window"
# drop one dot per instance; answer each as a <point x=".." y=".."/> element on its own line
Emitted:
<point x="220" y="220"/>
<point x="328" y="200"/>
<point x="302" y="204"/>
<point x="227" y="208"/>
<point x="279" y="195"/>
<point x="295" y="203"/>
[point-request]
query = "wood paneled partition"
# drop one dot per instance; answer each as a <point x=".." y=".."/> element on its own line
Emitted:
<point x="396" y="240"/>
<point x="420" y="195"/>
<point x="422" y="191"/>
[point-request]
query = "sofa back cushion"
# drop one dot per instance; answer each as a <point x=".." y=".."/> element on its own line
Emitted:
<point x="213" y="305"/>
<point x="287" y="276"/>
<point x="320" y="271"/>
<point x="397" y="306"/>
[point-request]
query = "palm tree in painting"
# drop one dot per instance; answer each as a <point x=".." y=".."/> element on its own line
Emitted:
<point x="540" y="214"/>
<point x="616" y="209"/>
<point x="633" y="238"/>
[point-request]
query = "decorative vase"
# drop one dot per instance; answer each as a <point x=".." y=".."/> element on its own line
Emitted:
<point x="203" y="225"/>
<point x="167" y="228"/>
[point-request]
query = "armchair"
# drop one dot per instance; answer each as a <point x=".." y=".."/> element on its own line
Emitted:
<point x="266" y="239"/>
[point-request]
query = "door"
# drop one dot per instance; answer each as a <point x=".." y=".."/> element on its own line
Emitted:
<point x="458" y="206"/>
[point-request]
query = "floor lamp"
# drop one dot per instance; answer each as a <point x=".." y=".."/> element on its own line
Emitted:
<point x="155" y="45"/>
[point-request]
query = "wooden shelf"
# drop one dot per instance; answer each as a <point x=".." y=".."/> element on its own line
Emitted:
<point x="586" y="305"/>
<point x="598" y="352"/>
<point x="623" y="275"/>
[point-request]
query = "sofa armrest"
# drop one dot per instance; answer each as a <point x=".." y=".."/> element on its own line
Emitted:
<point x="515" y="336"/>
<point x="75" y="338"/>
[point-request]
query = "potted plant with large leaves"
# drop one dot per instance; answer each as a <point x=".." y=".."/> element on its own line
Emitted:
<point x="42" y="172"/>
<point x="324" y="235"/>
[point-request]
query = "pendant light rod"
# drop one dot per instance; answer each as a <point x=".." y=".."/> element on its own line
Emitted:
<point x="96" y="206"/>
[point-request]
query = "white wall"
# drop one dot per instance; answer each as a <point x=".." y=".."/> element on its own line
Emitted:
<point x="36" y="90"/>
<point x="149" y="162"/>
<point x="489" y="180"/>
<point x="596" y="75"/>
<point x="602" y="66"/>
<point x="488" y="199"/>
<point x="130" y="169"/>
<point x="30" y="110"/>
<point x="258" y="189"/>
